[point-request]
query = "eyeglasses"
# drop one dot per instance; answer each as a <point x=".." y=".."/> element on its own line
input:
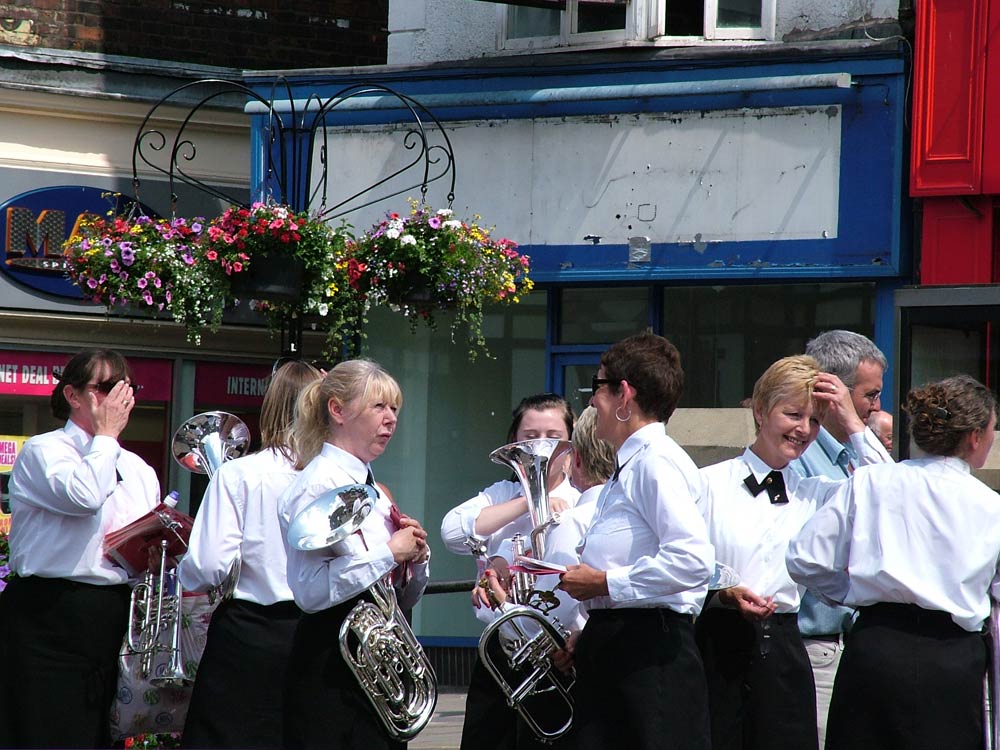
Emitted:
<point x="871" y="397"/>
<point x="596" y="382"/>
<point x="106" y="386"/>
<point x="319" y="364"/>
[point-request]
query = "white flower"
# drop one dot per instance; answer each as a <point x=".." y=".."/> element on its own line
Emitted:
<point x="445" y="212"/>
<point x="452" y="224"/>
<point x="392" y="233"/>
<point x="408" y="239"/>
<point x="323" y="308"/>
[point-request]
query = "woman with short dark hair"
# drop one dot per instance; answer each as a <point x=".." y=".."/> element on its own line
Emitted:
<point x="914" y="546"/>
<point x="646" y="565"/>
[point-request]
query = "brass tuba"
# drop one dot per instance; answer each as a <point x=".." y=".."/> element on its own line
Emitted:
<point x="524" y="633"/>
<point x="375" y="639"/>
<point x="201" y="445"/>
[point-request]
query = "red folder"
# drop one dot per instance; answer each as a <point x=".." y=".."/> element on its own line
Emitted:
<point x="129" y="546"/>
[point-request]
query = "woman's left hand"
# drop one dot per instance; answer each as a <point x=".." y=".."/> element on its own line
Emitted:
<point x="583" y="582"/>
<point x="405" y="522"/>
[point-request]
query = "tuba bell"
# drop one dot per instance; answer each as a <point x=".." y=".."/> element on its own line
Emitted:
<point x="201" y="445"/>
<point x="517" y="648"/>
<point x="376" y="641"/>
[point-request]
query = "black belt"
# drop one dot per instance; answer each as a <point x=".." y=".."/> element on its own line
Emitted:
<point x="637" y="613"/>
<point x="63" y="584"/>
<point x="909" y="617"/>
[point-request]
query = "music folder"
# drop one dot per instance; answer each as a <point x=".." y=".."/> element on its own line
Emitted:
<point x="129" y="545"/>
<point x="530" y="565"/>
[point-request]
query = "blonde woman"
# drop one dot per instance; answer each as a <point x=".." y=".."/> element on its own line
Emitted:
<point x="343" y="423"/>
<point x="760" y="682"/>
<point x="237" y="700"/>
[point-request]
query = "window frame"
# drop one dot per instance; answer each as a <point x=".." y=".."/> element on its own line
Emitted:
<point x="645" y="21"/>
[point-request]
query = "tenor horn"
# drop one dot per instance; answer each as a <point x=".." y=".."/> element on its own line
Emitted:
<point x="524" y="633"/>
<point x="376" y="641"/>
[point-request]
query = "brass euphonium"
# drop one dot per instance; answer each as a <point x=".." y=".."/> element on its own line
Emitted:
<point x="375" y="639"/>
<point x="523" y="632"/>
<point x="202" y="444"/>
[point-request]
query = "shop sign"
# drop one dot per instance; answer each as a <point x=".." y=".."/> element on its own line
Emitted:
<point x="10" y="446"/>
<point x="33" y="227"/>
<point x="222" y="384"/>
<point x="36" y="373"/>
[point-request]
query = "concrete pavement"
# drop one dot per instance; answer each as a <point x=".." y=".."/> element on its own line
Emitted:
<point x="444" y="732"/>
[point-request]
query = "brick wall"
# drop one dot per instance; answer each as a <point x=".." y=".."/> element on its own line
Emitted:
<point x="253" y="34"/>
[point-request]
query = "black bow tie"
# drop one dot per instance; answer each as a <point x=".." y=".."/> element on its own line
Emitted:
<point x="774" y="483"/>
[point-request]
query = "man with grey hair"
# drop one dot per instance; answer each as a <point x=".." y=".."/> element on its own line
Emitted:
<point x="860" y="365"/>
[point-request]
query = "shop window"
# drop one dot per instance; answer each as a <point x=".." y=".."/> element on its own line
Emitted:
<point x="728" y="335"/>
<point x="587" y="23"/>
<point x="602" y="315"/>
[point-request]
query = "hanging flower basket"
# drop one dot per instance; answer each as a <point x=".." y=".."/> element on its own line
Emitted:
<point x="291" y="265"/>
<point x="149" y="264"/>
<point x="429" y="262"/>
<point x="272" y="277"/>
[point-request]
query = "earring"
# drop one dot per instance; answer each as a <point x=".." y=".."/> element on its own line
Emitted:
<point x="626" y="418"/>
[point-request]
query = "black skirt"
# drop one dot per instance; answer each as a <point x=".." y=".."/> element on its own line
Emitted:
<point x="59" y="645"/>
<point x="910" y="678"/>
<point x="238" y="696"/>
<point x="760" y="682"/>
<point x="326" y="708"/>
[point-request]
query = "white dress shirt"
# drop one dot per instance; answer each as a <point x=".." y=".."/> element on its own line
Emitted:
<point x="924" y="532"/>
<point x="750" y="534"/>
<point x="561" y="542"/>
<point x="320" y="580"/>
<point x="65" y="495"/>
<point x="460" y="522"/>
<point x="238" y="519"/>
<point x="647" y="533"/>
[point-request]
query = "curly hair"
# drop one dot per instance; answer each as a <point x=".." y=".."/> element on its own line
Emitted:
<point x="942" y="413"/>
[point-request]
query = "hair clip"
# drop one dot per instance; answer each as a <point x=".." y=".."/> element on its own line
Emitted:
<point x="941" y="413"/>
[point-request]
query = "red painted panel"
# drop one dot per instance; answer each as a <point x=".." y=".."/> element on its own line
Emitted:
<point x="36" y="373"/>
<point x="957" y="241"/>
<point x="948" y="107"/>
<point x="991" y="133"/>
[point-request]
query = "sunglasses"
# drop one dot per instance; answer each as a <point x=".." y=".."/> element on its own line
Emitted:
<point x="106" y="386"/>
<point x="596" y="382"/>
<point x="319" y="364"/>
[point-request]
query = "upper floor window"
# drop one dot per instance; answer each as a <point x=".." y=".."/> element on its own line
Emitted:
<point x="686" y="21"/>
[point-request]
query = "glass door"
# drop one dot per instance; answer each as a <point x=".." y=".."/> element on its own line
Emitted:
<point x="943" y="331"/>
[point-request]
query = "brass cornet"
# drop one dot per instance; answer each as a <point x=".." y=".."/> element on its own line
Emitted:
<point x="524" y="633"/>
<point x="202" y="444"/>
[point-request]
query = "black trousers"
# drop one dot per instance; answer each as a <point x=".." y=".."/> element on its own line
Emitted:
<point x="910" y="679"/>
<point x="59" y="645"/>
<point x="325" y="708"/>
<point x="238" y="696"/>
<point x="640" y="683"/>
<point x="760" y="683"/>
